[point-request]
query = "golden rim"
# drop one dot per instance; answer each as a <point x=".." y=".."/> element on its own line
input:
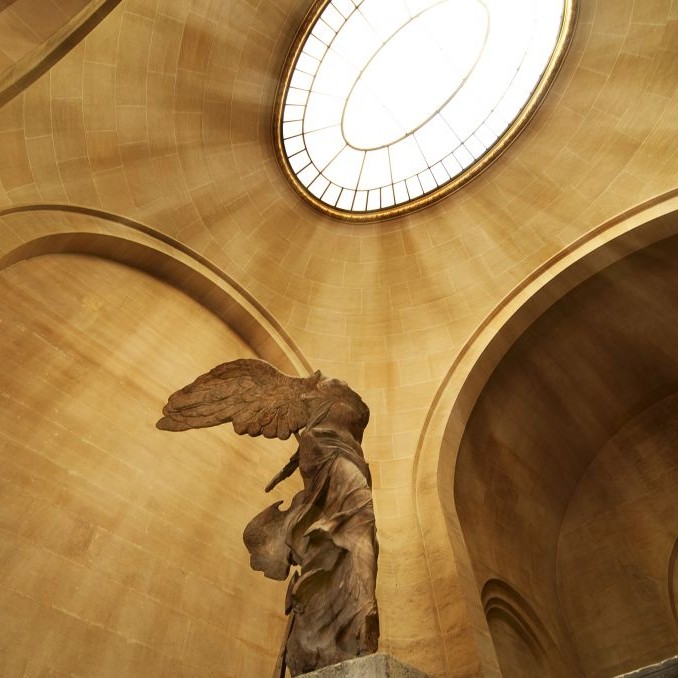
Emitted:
<point x="570" y="13"/>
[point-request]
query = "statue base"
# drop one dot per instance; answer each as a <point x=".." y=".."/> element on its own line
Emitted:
<point x="665" y="669"/>
<point x="370" y="666"/>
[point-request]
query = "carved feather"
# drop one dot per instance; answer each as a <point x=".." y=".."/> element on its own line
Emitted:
<point x="253" y="395"/>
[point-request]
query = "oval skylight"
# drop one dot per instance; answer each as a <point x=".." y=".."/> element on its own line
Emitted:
<point x="390" y="104"/>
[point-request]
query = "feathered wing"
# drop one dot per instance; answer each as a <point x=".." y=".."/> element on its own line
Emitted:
<point x="252" y="394"/>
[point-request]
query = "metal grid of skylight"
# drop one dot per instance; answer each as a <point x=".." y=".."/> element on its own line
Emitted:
<point x="390" y="100"/>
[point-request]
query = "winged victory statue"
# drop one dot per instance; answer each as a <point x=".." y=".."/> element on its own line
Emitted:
<point x="328" y="533"/>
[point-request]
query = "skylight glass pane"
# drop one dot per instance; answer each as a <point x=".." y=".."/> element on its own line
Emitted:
<point x="333" y="18"/>
<point x="485" y="135"/>
<point x="385" y="16"/>
<point x="457" y="31"/>
<point x="387" y="196"/>
<point x="360" y="201"/>
<point x="463" y="113"/>
<point x="414" y="187"/>
<point x="307" y="175"/>
<point x="321" y="111"/>
<point x="475" y="146"/>
<point x="299" y="161"/>
<point x="323" y="32"/>
<point x="440" y="174"/>
<point x="331" y="195"/>
<point x="451" y="164"/>
<point x="318" y="186"/>
<point x="307" y="64"/>
<point x="356" y="42"/>
<point x="400" y="192"/>
<point x="291" y="129"/>
<point x="428" y="183"/>
<point x="314" y="50"/>
<point x="324" y="145"/>
<point x="294" y="145"/>
<point x="297" y="97"/>
<point x="345" y="201"/>
<point x="509" y="107"/>
<point x="435" y="140"/>
<point x="390" y="100"/>
<point x="374" y="199"/>
<point x="344" y="6"/>
<point x="417" y="6"/>
<point x="463" y="157"/>
<point x="345" y="168"/>
<point x="367" y="123"/>
<point x="293" y="113"/>
<point x="497" y="122"/>
<point x="335" y="77"/>
<point x="302" y="80"/>
<point x="376" y="170"/>
<point x="406" y="159"/>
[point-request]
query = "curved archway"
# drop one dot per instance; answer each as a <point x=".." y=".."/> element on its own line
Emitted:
<point x="60" y="229"/>
<point x="530" y="646"/>
<point x="39" y="53"/>
<point x="449" y="415"/>
<point x="122" y="544"/>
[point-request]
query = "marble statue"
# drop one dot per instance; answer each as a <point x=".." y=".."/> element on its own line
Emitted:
<point x="328" y="533"/>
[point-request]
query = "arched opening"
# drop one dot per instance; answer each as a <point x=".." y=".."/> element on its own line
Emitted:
<point x="565" y="477"/>
<point x="121" y="545"/>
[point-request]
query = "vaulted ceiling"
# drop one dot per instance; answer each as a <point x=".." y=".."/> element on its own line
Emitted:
<point x="152" y="118"/>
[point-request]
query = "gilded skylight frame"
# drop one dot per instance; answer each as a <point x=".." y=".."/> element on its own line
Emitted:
<point x="563" y="42"/>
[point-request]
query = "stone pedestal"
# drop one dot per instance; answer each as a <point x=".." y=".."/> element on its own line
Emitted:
<point x="666" y="669"/>
<point x="371" y="666"/>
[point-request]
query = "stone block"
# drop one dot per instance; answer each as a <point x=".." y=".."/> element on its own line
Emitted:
<point x="371" y="666"/>
<point x="665" y="669"/>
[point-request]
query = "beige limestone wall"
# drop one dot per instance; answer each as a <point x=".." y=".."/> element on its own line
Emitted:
<point x="26" y="24"/>
<point x="35" y="34"/>
<point x="120" y="545"/>
<point x="615" y="571"/>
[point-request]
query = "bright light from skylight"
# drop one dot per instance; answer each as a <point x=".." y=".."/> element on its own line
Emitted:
<point x="390" y="100"/>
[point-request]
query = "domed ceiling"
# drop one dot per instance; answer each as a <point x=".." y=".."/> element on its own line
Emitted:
<point x="158" y="122"/>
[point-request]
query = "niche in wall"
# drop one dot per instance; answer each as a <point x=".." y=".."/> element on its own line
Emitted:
<point x="120" y="545"/>
<point x="518" y="632"/>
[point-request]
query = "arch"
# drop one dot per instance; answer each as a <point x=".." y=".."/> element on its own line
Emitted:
<point x="135" y="534"/>
<point x="42" y="57"/>
<point x="203" y="470"/>
<point x="62" y="229"/>
<point x="439" y="442"/>
<point x="501" y="599"/>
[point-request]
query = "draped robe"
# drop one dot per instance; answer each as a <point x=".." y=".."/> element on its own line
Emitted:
<point x="329" y="532"/>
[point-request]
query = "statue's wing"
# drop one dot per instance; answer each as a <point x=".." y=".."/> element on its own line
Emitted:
<point x="250" y="393"/>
